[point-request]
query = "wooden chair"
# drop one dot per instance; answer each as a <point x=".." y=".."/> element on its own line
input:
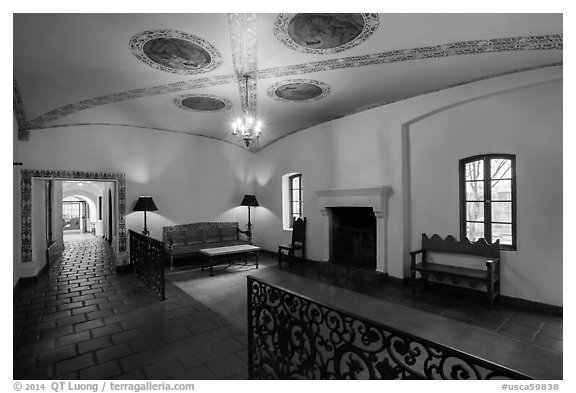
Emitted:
<point x="298" y="242"/>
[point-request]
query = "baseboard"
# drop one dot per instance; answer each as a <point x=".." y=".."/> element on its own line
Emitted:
<point x="532" y="305"/>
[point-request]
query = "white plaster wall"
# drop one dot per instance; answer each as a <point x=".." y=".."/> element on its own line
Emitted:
<point x="347" y="153"/>
<point x="190" y="178"/>
<point x="371" y="149"/>
<point x="526" y="122"/>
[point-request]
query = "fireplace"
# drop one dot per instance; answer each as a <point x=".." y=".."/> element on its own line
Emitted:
<point x="375" y="199"/>
<point x="353" y="237"/>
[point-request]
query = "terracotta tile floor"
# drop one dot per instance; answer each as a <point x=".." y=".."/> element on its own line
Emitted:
<point x="83" y="320"/>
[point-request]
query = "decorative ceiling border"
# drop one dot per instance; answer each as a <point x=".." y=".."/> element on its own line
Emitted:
<point x="178" y="102"/>
<point x="138" y="41"/>
<point x="140" y="127"/>
<point x="19" y="113"/>
<point x="66" y="110"/>
<point x="26" y="201"/>
<point x="542" y="42"/>
<point x="281" y="27"/>
<point x="323" y="86"/>
<point x="244" y="45"/>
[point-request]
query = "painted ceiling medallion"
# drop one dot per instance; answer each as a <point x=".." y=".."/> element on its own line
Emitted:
<point x="324" y="33"/>
<point x="175" y="51"/>
<point x="202" y="103"/>
<point x="299" y="90"/>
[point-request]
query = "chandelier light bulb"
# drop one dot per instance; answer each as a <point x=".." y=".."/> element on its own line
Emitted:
<point x="248" y="127"/>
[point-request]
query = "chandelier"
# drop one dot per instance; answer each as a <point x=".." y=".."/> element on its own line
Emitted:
<point x="248" y="127"/>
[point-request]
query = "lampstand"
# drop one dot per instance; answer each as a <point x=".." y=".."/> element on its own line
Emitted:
<point x="145" y="204"/>
<point x="250" y="201"/>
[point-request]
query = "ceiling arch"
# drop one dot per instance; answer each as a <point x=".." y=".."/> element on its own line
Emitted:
<point x="60" y="83"/>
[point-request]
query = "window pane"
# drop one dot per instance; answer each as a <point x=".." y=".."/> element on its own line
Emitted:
<point x="475" y="170"/>
<point x="474" y="231"/>
<point x="502" y="232"/>
<point x="295" y="195"/>
<point x="474" y="191"/>
<point x="502" y="211"/>
<point x="474" y="211"/>
<point x="502" y="190"/>
<point x="295" y="208"/>
<point x="296" y="182"/>
<point x="500" y="168"/>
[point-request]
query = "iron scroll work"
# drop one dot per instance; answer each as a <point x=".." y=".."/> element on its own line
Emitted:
<point x="148" y="256"/>
<point x="26" y="201"/>
<point x="294" y="337"/>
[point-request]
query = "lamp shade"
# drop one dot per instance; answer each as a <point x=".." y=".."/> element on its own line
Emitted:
<point x="145" y="204"/>
<point x="249" y="200"/>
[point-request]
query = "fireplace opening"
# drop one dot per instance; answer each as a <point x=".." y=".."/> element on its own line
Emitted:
<point x="353" y="237"/>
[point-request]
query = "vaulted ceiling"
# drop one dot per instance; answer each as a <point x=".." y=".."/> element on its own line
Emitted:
<point x="185" y="73"/>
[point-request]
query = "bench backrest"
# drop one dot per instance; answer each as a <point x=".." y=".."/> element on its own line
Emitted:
<point x="450" y="245"/>
<point x="201" y="232"/>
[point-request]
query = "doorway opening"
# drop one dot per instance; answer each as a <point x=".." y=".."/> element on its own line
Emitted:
<point x="33" y="228"/>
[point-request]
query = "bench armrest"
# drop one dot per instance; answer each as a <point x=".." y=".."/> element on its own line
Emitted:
<point x="413" y="256"/>
<point x="493" y="266"/>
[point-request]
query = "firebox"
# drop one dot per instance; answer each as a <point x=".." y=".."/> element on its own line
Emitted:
<point x="353" y="237"/>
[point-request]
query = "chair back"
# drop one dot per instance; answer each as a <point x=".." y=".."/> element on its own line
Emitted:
<point x="299" y="230"/>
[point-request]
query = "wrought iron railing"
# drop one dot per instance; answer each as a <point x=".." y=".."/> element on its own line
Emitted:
<point x="293" y="337"/>
<point x="148" y="257"/>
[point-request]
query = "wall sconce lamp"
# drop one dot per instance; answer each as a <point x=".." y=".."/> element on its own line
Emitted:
<point x="250" y="201"/>
<point x="145" y="204"/>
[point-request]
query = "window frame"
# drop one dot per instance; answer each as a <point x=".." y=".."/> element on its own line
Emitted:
<point x="291" y="197"/>
<point x="487" y="197"/>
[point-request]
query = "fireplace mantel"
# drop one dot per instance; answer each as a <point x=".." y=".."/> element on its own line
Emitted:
<point x="374" y="197"/>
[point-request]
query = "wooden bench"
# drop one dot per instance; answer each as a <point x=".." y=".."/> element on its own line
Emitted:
<point x="489" y="277"/>
<point x="188" y="239"/>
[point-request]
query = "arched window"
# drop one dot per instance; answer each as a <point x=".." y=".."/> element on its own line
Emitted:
<point x="488" y="199"/>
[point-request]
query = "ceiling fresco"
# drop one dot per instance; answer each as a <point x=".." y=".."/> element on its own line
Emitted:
<point x="202" y="103"/>
<point x="299" y="90"/>
<point x="324" y="33"/>
<point x="344" y="54"/>
<point x="175" y="51"/>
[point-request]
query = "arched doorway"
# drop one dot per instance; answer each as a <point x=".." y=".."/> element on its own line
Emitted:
<point x="27" y="175"/>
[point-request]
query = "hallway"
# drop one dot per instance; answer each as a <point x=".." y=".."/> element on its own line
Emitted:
<point x="82" y="320"/>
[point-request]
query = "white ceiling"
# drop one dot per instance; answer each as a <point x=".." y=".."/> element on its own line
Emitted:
<point x="77" y="69"/>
